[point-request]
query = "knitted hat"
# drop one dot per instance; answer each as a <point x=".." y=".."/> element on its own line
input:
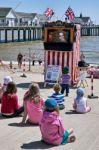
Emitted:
<point x="51" y="103"/>
<point x="7" y="79"/>
<point x="80" y="93"/>
<point x="65" y="70"/>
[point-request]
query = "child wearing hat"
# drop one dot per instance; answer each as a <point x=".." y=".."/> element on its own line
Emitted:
<point x="65" y="81"/>
<point x="51" y="126"/>
<point x="58" y="96"/>
<point x="80" y="102"/>
<point x="3" y="87"/>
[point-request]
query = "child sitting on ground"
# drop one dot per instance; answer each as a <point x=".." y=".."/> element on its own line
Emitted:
<point x="6" y="79"/>
<point x="51" y="126"/>
<point x="65" y="81"/>
<point x="33" y="105"/>
<point x="58" y="96"/>
<point x="9" y="102"/>
<point x="80" y="102"/>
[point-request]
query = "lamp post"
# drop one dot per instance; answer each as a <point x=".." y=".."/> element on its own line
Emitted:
<point x="29" y="59"/>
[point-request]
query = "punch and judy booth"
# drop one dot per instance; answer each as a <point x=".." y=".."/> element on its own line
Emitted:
<point x="62" y="47"/>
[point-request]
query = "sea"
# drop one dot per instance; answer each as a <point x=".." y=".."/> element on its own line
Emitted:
<point x="89" y="46"/>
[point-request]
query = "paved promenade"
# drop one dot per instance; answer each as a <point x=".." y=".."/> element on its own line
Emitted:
<point x="86" y="126"/>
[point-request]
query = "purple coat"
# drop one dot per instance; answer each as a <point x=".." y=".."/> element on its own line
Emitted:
<point x="52" y="128"/>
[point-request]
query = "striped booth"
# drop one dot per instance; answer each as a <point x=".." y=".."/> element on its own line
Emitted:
<point x="65" y="56"/>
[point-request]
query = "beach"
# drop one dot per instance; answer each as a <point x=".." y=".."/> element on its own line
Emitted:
<point x="9" y="51"/>
<point x="86" y="126"/>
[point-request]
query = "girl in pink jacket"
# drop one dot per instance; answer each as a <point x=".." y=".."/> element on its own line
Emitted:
<point x="51" y="126"/>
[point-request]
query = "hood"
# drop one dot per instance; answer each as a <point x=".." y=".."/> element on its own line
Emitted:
<point x="50" y="117"/>
<point x="7" y="79"/>
<point x="80" y="93"/>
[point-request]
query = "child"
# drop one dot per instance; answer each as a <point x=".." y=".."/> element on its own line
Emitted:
<point x="58" y="96"/>
<point x="82" y="78"/>
<point x="33" y="105"/>
<point x="65" y="81"/>
<point x="80" y="102"/>
<point x="51" y="126"/>
<point x="9" y="102"/>
<point x="6" y="79"/>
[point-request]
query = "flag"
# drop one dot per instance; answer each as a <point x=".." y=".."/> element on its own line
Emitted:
<point x="70" y="14"/>
<point x="49" y="13"/>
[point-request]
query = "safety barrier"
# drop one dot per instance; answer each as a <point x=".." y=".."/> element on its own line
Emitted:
<point x="92" y="96"/>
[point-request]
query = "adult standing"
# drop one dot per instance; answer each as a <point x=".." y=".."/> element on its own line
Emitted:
<point x="19" y="59"/>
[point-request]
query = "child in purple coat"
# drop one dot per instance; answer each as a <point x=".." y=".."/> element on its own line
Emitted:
<point x="65" y="81"/>
<point x="51" y="126"/>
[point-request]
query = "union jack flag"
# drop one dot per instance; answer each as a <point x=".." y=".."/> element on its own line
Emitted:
<point x="49" y="13"/>
<point x="70" y="14"/>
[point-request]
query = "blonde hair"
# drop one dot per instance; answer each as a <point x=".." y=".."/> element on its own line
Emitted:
<point x="33" y="93"/>
<point x="57" y="87"/>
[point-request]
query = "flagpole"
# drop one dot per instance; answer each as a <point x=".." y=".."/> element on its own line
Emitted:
<point x="62" y="16"/>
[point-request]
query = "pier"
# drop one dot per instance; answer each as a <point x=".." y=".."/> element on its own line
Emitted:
<point x="19" y="34"/>
<point x="90" y="30"/>
<point x="26" y="33"/>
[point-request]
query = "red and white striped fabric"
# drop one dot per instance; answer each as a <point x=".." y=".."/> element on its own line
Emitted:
<point x="62" y="58"/>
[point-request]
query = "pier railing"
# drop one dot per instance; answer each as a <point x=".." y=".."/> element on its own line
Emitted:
<point x="90" y="30"/>
<point x="19" y="34"/>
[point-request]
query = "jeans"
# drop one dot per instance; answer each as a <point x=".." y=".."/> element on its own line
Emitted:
<point x="65" y="87"/>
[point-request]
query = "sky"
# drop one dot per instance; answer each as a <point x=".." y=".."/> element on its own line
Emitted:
<point x="88" y="8"/>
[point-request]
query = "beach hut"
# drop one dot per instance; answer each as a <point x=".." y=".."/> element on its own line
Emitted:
<point x="62" y="47"/>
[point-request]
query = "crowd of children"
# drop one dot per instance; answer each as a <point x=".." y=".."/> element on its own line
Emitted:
<point x="44" y="113"/>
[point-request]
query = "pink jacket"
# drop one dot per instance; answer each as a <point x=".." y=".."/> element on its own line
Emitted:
<point x="52" y="128"/>
<point x="35" y="111"/>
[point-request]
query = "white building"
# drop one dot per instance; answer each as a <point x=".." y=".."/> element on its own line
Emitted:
<point x="7" y="17"/>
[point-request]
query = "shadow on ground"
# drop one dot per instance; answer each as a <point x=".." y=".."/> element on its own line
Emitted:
<point x="71" y="112"/>
<point x="36" y="145"/>
<point x="41" y="85"/>
<point x="1" y="117"/>
<point x="15" y="124"/>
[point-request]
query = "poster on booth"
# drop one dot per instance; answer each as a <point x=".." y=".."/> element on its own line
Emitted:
<point x="53" y="73"/>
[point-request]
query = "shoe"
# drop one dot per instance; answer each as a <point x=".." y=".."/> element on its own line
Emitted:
<point x="61" y="106"/>
<point x="71" y="139"/>
<point x="66" y="95"/>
